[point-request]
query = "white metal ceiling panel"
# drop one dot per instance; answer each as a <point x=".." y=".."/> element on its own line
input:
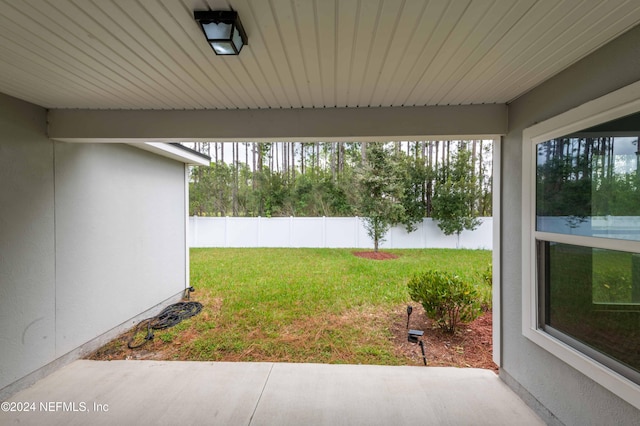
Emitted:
<point x="150" y="54"/>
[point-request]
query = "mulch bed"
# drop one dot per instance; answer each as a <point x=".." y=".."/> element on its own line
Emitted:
<point x="375" y="255"/>
<point x="470" y="346"/>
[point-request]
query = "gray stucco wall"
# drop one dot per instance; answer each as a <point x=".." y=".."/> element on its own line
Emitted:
<point x="27" y="246"/>
<point x="120" y="237"/>
<point x="566" y="393"/>
<point x="91" y="235"/>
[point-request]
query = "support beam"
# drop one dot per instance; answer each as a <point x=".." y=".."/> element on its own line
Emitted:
<point x="362" y="124"/>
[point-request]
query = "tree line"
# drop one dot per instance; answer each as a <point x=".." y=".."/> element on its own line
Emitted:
<point x="580" y="177"/>
<point x="330" y="179"/>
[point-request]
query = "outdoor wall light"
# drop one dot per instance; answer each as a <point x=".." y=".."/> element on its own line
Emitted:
<point x="222" y="29"/>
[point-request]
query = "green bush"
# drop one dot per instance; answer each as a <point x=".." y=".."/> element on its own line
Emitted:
<point x="487" y="275"/>
<point x="484" y="287"/>
<point x="446" y="298"/>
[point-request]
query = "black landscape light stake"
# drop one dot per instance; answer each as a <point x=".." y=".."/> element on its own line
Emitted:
<point x="409" y="310"/>
<point x="424" y="357"/>
<point x="415" y="337"/>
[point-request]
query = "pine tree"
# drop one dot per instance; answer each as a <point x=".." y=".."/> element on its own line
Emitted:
<point x="380" y="193"/>
<point x="453" y="204"/>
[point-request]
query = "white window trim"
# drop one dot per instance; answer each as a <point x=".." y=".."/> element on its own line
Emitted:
<point x="497" y="252"/>
<point x="614" y="105"/>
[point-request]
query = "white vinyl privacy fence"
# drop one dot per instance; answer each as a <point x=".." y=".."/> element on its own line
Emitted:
<point x="330" y="232"/>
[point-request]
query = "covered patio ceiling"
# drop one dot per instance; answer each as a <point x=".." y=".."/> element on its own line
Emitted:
<point x="151" y="55"/>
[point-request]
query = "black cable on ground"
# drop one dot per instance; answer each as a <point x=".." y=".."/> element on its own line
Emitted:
<point x="168" y="317"/>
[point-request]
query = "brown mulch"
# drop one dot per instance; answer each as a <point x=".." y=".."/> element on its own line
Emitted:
<point x="470" y="346"/>
<point x="375" y="255"/>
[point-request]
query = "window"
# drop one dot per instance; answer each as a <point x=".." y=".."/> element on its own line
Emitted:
<point x="581" y="239"/>
<point x="589" y="185"/>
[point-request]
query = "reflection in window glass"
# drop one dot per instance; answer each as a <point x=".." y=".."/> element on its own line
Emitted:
<point x="593" y="296"/>
<point x="589" y="186"/>
<point x="616" y="277"/>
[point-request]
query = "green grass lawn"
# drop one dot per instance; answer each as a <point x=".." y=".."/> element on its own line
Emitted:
<point x="303" y="305"/>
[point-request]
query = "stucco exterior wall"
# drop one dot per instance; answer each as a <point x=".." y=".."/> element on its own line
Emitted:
<point x="27" y="245"/>
<point x="120" y="236"/>
<point x="567" y="394"/>
<point x="91" y="235"/>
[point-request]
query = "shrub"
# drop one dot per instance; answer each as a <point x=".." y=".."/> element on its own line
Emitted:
<point x="484" y="287"/>
<point x="487" y="275"/>
<point x="446" y="298"/>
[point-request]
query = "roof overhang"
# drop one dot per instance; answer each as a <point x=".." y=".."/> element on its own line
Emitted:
<point x="302" y="124"/>
<point x="175" y="152"/>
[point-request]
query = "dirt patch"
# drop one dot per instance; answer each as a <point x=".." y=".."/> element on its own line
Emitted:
<point x="470" y="346"/>
<point x="375" y="255"/>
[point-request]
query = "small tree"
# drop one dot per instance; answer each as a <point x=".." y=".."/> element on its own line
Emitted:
<point x="414" y="174"/>
<point x="380" y="191"/>
<point x="453" y="204"/>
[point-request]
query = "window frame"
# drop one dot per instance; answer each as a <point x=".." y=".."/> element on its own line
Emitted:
<point x="617" y="104"/>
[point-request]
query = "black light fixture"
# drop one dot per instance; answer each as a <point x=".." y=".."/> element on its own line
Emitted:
<point x="222" y="29"/>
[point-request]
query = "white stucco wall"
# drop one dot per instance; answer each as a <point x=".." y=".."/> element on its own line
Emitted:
<point x="91" y="235"/>
<point x="542" y="378"/>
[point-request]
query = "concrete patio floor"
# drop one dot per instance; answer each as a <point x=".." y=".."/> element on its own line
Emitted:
<point x="190" y="393"/>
